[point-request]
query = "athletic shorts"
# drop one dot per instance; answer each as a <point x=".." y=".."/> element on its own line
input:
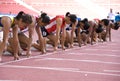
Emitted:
<point x="44" y="32"/>
<point x="99" y="30"/>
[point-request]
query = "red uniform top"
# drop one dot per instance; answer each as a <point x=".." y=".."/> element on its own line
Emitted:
<point x="52" y="26"/>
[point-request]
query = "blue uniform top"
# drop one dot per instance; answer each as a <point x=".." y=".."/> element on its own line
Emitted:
<point x="117" y="18"/>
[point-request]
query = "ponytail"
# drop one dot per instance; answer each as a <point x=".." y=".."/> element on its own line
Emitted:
<point x="43" y="15"/>
<point x="19" y="15"/>
<point x="67" y="14"/>
<point x="26" y="18"/>
<point x="72" y="17"/>
<point x="45" y="18"/>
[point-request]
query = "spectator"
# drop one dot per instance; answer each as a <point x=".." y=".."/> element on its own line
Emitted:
<point x="117" y="17"/>
<point x="111" y="15"/>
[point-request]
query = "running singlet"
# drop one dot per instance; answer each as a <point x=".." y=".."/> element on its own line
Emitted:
<point x="52" y="26"/>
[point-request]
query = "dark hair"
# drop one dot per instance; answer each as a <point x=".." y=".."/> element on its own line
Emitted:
<point x="86" y="23"/>
<point x="26" y="18"/>
<point x="105" y="21"/>
<point x="85" y="20"/>
<point x="45" y="18"/>
<point x="67" y="14"/>
<point x="118" y="13"/>
<point x="99" y="29"/>
<point x="72" y="17"/>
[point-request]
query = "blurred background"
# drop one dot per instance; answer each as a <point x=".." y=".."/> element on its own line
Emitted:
<point x="82" y="8"/>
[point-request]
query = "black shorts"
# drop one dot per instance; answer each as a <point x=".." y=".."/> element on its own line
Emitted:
<point x="83" y="31"/>
<point x="99" y="30"/>
<point x="44" y="32"/>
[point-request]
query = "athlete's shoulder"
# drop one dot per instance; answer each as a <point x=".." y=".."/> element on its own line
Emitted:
<point x="60" y="16"/>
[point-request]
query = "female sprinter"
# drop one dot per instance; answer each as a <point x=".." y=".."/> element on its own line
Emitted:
<point x="106" y="33"/>
<point x="70" y="31"/>
<point x="107" y="26"/>
<point x="21" y="20"/>
<point x="42" y="32"/>
<point x="85" y="31"/>
<point x="56" y="27"/>
<point x="25" y="41"/>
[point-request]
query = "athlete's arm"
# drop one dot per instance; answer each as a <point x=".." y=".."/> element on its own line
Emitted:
<point x="58" y="28"/>
<point x="6" y="26"/>
<point x="15" y="41"/>
<point x="72" y="32"/>
<point x="31" y="32"/>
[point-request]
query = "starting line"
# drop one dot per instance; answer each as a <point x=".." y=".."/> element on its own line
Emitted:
<point x="90" y="61"/>
<point x="75" y="70"/>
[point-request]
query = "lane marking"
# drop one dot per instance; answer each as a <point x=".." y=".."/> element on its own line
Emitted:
<point x="49" y="54"/>
<point x="33" y="67"/>
<point x="13" y="61"/>
<point x="90" y="61"/>
<point x="116" y="71"/>
<point x="75" y="70"/>
<point x="101" y="49"/>
<point x="110" y="55"/>
<point x="10" y="80"/>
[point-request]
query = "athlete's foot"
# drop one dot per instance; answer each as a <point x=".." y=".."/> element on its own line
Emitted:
<point x="85" y="43"/>
<point x="55" y="48"/>
<point x="28" y="53"/>
<point x="43" y="52"/>
<point x="16" y="57"/>
<point x="91" y="43"/>
<point x="79" y="45"/>
<point x="63" y="48"/>
<point x="71" y="45"/>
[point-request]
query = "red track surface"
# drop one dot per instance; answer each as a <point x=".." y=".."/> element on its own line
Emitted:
<point x="98" y="62"/>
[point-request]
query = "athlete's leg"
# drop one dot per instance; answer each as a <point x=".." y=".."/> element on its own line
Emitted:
<point x="6" y="27"/>
<point x="84" y="37"/>
<point x="67" y="39"/>
<point x="51" y="38"/>
<point x="79" y="36"/>
<point x="103" y="36"/>
<point x="10" y="47"/>
<point x="23" y="39"/>
<point x="41" y="46"/>
<point x="63" y="38"/>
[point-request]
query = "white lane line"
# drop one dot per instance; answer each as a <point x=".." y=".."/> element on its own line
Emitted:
<point x="110" y="55"/>
<point x="90" y="61"/>
<point x="9" y="80"/>
<point x="38" y="56"/>
<point x="116" y="71"/>
<point x="75" y="70"/>
<point x="45" y="54"/>
<point x="27" y="58"/>
<point x="32" y="67"/>
<point x="101" y="50"/>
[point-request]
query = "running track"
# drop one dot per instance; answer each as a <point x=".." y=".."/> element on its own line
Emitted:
<point x="98" y="62"/>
